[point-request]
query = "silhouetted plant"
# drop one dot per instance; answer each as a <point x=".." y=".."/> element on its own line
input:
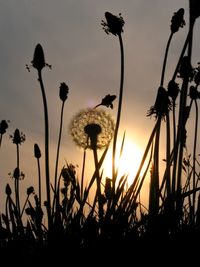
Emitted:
<point x="3" y="128"/>
<point x="81" y="218"/>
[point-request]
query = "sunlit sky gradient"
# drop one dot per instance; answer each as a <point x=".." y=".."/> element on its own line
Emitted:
<point x="86" y="59"/>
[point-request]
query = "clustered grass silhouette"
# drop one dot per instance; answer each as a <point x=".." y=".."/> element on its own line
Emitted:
<point x="115" y="217"/>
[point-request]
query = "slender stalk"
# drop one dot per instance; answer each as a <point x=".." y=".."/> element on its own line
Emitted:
<point x="165" y="59"/>
<point x="194" y="152"/>
<point x="24" y="206"/>
<point x="180" y="57"/>
<point x="98" y="179"/>
<point x="58" y="147"/>
<point x="57" y="154"/>
<point x="168" y="156"/>
<point x="119" y="110"/>
<point x="183" y="103"/>
<point x="131" y="189"/>
<point x="39" y="180"/>
<point x="83" y="172"/>
<point x="1" y="139"/>
<point x="46" y="148"/>
<point x="174" y="123"/>
<point x="17" y="182"/>
<point x="154" y="185"/>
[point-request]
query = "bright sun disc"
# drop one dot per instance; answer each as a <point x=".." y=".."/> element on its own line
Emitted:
<point x="128" y="163"/>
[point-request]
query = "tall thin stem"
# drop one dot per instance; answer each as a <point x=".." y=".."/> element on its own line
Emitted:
<point x="1" y="139"/>
<point x="83" y="172"/>
<point x="119" y="110"/>
<point x="182" y="116"/>
<point x="194" y="152"/>
<point x="17" y="182"/>
<point x="165" y="59"/>
<point x="57" y="154"/>
<point x="98" y="179"/>
<point x="46" y="148"/>
<point x="39" y="180"/>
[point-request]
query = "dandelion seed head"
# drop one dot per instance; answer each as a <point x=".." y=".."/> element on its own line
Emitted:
<point x="87" y="117"/>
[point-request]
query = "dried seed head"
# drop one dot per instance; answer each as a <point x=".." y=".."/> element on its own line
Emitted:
<point x="3" y="126"/>
<point x="162" y="104"/>
<point x="8" y="190"/>
<point x="177" y="20"/>
<point x="17" y="137"/>
<point x="37" y="152"/>
<point x="64" y="89"/>
<point x="30" y="190"/>
<point x="113" y="24"/>
<point x="38" y="61"/>
<point x="107" y="101"/>
<point x="173" y="89"/>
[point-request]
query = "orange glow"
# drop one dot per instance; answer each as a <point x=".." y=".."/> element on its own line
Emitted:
<point x="128" y="163"/>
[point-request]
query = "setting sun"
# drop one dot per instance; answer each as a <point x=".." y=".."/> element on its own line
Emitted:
<point x="128" y="163"/>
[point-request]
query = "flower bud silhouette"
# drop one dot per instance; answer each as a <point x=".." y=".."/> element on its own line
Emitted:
<point x="64" y="89"/>
<point x="173" y="89"/>
<point x="177" y="20"/>
<point x="8" y="190"/>
<point x="113" y="24"/>
<point x="37" y="152"/>
<point x="30" y="190"/>
<point x="107" y="101"/>
<point x="162" y="104"/>
<point x="3" y="126"/>
<point x="18" y="137"/>
<point x="38" y="61"/>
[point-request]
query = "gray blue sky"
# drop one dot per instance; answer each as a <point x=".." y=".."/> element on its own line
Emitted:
<point x="86" y="59"/>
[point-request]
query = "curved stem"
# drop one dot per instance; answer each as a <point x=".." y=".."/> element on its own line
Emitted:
<point x="46" y="147"/>
<point x="181" y="125"/>
<point x="165" y="59"/>
<point x="119" y="110"/>
<point x="180" y="58"/>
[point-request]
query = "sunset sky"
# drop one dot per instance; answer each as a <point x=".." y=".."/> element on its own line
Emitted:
<point x="88" y="61"/>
